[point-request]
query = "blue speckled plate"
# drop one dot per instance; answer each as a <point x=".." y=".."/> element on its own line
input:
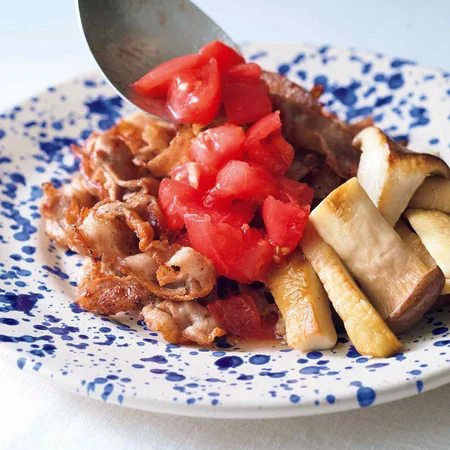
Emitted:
<point x="119" y="360"/>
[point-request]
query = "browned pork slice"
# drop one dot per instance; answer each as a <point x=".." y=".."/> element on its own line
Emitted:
<point x="103" y="291"/>
<point x="306" y="126"/>
<point x="112" y="231"/>
<point x="177" y="153"/>
<point x="61" y="208"/>
<point x="108" y="169"/>
<point x="175" y="273"/>
<point x="182" y="322"/>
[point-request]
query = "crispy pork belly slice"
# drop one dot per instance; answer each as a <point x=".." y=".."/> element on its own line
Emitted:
<point x="111" y="295"/>
<point x="141" y="130"/>
<point x="61" y="208"/>
<point x="433" y="228"/>
<point x="304" y="304"/>
<point x="182" y="322"/>
<point x="103" y="290"/>
<point x="397" y="282"/>
<point x="433" y="194"/>
<point x="180" y="274"/>
<point x="366" y="329"/>
<point x="391" y="174"/>
<point x="306" y="126"/>
<point x="323" y="181"/>
<point x="111" y="231"/>
<point x="177" y="153"/>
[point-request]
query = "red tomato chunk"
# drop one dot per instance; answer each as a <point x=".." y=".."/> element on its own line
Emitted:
<point x="285" y="223"/>
<point x="244" y="181"/>
<point x="241" y="254"/>
<point x="225" y="56"/>
<point x="156" y="82"/>
<point x="240" y="315"/>
<point x="194" y="94"/>
<point x="217" y="146"/>
<point x="266" y="146"/>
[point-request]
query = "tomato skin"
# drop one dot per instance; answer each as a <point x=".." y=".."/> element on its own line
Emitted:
<point x="194" y="94"/>
<point x="245" y="101"/>
<point x="177" y="199"/>
<point x="214" y="241"/>
<point x="285" y="223"/>
<point x="240" y="315"/>
<point x="156" y="82"/>
<point x="244" y="181"/>
<point x="241" y="254"/>
<point x="226" y="57"/>
<point x="255" y="256"/>
<point x="262" y="129"/>
<point x="247" y="71"/>
<point x="265" y="145"/>
<point x="293" y="191"/>
<point x="218" y="145"/>
<point x="198" y="176"/>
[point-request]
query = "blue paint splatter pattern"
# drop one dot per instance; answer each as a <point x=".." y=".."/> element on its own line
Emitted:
<point x="117" y="359"/>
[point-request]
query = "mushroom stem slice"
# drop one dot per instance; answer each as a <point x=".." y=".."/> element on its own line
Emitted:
<point x="397" y="282"/>
<point x="433" y="228"/>
<point x="416" y="245"/>
<point x="390" y="173"/>
<point x="366" y="329"/>
<point x="304" y="304"/>
<point x="433" y="194"/>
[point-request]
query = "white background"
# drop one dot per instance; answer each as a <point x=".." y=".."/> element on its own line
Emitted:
<point x="40" y="45"/>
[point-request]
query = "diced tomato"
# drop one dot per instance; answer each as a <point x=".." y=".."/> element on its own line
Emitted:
<point x="262" y="129"/>
<point x="218" y="145"/>
<point x="255" y="256"/>
<point x="236" y="213"/>
<point x="245" y="100"/>
<point x="240" y="254"/>
<point x="218" y="242"/>
<point x="247" y="71"/>
<point x="198" y="176"/>
<point x="240" y="315"/>
<point x="244" y="181"/>
<point x="194" y="94"/>
<point x="285" y="223"/>
<point x="293" y="191"/>
<point x="226" y="57"/>
<point x="176" y="200"/>
<point x="156" y="82"/>
<point x="266" y="146"/>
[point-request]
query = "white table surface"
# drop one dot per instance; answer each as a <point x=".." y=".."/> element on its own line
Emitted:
<point x="40" y="45"/>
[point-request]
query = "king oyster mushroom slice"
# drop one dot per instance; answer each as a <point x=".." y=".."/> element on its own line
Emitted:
<point x="304" y="304"/>
<point x="399" y="284"/>
<point x="366" y="329"/>
<point x="390" y="173"/>
<point x="433" y="194"/>
<point x="433" y="228"/>
<point x="416" y="245"/>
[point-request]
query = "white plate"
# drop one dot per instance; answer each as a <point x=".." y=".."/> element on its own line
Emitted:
<point x="118" y="360"/>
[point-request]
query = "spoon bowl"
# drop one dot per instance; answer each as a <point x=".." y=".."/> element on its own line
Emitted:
<point x="130" y="38"/>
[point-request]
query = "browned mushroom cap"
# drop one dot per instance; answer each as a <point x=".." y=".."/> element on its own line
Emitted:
<point x="433" y="228"/>
<point x="398" y="283"/>
<point x="433" y="194"/>
<point x="390" y="174"/>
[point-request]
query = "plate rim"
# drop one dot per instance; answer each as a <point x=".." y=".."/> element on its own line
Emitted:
<point x="236" y="410"/>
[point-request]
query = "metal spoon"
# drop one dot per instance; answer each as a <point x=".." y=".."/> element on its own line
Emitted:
<point x="129" y="38"/>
